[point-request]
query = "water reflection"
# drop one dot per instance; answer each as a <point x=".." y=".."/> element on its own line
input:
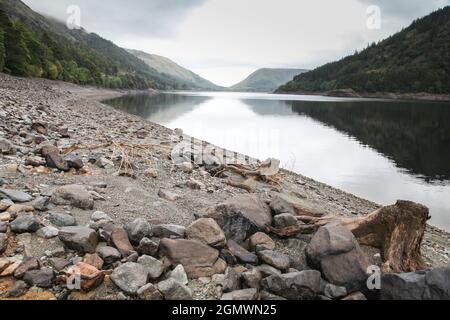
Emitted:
<point x="379" y="150"/>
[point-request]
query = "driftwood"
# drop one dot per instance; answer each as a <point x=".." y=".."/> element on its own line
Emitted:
<point x="266" y="172"/>
<point x="240" y="185"/>
<point x="396" y="230"/>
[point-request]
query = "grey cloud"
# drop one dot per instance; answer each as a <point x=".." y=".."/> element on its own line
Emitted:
<point x="118" y="18"/>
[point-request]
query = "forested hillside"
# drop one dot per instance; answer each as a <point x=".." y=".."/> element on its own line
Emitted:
<point x="417" y="59"/>
<point x="35" y="46"/>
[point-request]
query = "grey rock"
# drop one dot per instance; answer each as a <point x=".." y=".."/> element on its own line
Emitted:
<point x="62" y="219"/>
<point x="174" y="290"/>
<point x="168" y="231"/>
<point x="6" y="147"/>
<point x="74" y="195"/>
<point x="138" y="229"/>
<point x="252" y="278"/>
<point x="335" y="252"/>
<point x="59" y="263"/>
<point x="25" y="223"/>
<point x="154" y="267"/>
<point x="19" y="289"/>
<point x="3" y="227"/>
<point x="148" y="246"/>
<point x="179" y="274"/>
<point x="241" y="295"/>
<point x="303" y="285"/>
<point x="42" y="278"/>
<point x="81" y="239"/>
<point x="267" y="296"/>
<point x="334" y="292"/>
<point x="242" y="254"/>
<point x="40" y="203"/>
<point x="47" y="232"/>
<point x="109" y="254"/>
<point x="130" y="277"/>
<point x="275" y="259"/>
<point x="3" y="242"/>
<point x="149" y="292"/>
<point x="232" y="280"/>
<point x="284" y="220"/>
<point x="15" y="195"/>
<point x="74" y="160"/>
<point x="267" y="271"/>
<point x="99" y="215"/>
<point x="29" y="263"/>
<point x="279" y="205"/>
<point x="241" y="216"/>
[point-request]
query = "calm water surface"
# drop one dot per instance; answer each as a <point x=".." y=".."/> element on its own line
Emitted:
<point x="379" y="150"/>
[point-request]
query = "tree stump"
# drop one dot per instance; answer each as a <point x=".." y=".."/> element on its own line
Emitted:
<point x="397" y="231"/>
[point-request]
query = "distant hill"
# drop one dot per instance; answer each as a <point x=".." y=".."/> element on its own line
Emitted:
<point x="266" y="80"/>
<point x="417" y="59"/>
<point x="32" y="45"/>
<point x="166" y="66"/>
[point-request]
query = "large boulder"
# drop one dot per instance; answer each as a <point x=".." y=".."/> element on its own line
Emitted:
<point x="25" y="223"/>
<point x="206" y="230"/>
<point x="431" y="284"/>
<point x="242" y="216"/>
<point x="15" y="195"/>
<point x="197" y="258"/>
<point x="81" y="239"/>
<point x="74" y="195"/>
<point x="130" y="277"/>
<point x="303" y="285"/>
<point x="335" y="252"/>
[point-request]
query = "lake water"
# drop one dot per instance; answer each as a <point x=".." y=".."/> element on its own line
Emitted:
<point x="377" y="149"/>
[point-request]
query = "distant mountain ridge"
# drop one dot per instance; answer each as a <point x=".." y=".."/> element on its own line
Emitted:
<point x="266" y="79"/>
<point x="166" y="66"/>
<point x="414" y="60"/>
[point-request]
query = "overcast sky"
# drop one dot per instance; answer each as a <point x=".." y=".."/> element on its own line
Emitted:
<point x="225" y="40"/>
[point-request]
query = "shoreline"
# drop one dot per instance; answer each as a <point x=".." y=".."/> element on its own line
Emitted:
<point x="91" y="123"/>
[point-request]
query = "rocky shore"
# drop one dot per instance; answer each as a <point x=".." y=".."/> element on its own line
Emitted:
<point x="93" y="206"/>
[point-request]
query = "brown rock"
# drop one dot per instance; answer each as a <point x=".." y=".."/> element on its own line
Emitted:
<point x="119" y="238"/>
<point x="261" y="239"/>
<point x="90" y="277"/>
<point x="27" y="264"/>
<point x="241" y="254"/>
<point x="40" y="127"/>
<point x="197" y="258"/>
<point x="53" y="158"/>
<point x="94" y="260"/>
<point x="207" y="231"/>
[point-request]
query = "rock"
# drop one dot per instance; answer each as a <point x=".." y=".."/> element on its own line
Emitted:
<point x="130" y="277"/>
<point x="42" y="278"/>
<point x="284" y="220"/>
<point x="168" y="195"/>
<point x="35" y="161"/>
<point x="25" y="223"/>
<point x="149" y="292"/>
<point x="27" y="264"/>
<point x="220" y="266"/>
<point x="40" y="203"/>
<point x="355" y="296"/>
<point x="334" y="292"/>
<point x="275" y="259"/>
<point x="154" y="267"/>
<point x="186" y="167"/>
<point x="10" y="268"/>
<point x="94" y="260"/>
<point x="40" y="127"/>
<point x="241" y="254"/>
<point x="432" y="284"/>
<point x="4" y="263"/>
<point x="267" y="271"/>
<point x="89" y="276"/>
<point x="59" y="263"/>
<point x="5" y="204"/>
<point x="207" y="231"/>
<point x="241" y="217"/>
<point x="62" y="219"/>
<point x="138" y="229"/>
<point x="241" y="295"/>
<point x="3" y="227"/>
<point x="17" y="209"/>
<point x="261" y="239"/>
<point x="15" y="195"/>
<point x="174" y="290"/>
<point x="178" y="274"/>
<point x="5" y="217"/>
<point x="197" y="259"/>
<point x="280" y="205"/>
<point x="195" y="185"/>
<point x="303" y="285"/>
<point x="252" y="278"/>
<point x="6" y="147"/>
<point x="335" y="252"/>
<point x="81" y="239"/>
<point x="168" y="231"/>
<point x="53" y="158"/>
<point x="99" y="216"/>
<point x="151" y="173"/>
<point x="148" y="247"/>
<point x="267" y="296"/>
<point x="3" y="242"/>
<point x="109" y="254"/>
<point x="119" y="237"/>
<point x="47" y="232"/>
<point x="19" y="289"/>
<point x="74" y="160"/>
<point x="74" y="195"/>
<point x="232" y="280"/>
